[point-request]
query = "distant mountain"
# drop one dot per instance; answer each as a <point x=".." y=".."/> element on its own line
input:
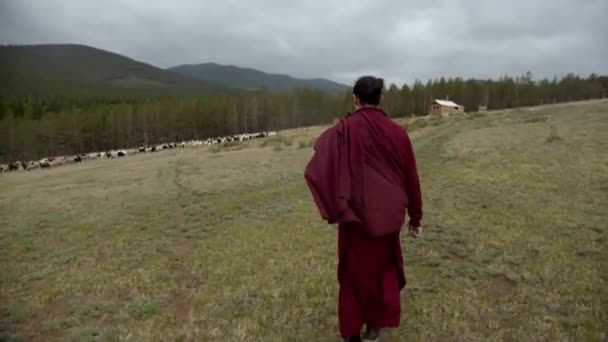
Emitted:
<point x="51" y="68"/>
<point x="252" y="79"/>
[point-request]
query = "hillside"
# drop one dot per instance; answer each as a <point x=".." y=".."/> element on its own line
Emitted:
<point x="30" y="68"/>
<point x="251" y="79"/>
<point x="206" y="245"/>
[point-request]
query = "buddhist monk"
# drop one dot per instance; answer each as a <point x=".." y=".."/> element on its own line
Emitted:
<point x="363" y="177"/>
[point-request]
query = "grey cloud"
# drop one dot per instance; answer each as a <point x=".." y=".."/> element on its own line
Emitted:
<point x="399" y="40"/>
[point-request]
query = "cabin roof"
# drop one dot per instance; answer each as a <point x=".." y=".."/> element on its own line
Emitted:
<point x="446" y="103"/>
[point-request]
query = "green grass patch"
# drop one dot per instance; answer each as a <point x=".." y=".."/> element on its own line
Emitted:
<point x="80" y="310"/>
<point x="415" y="124"/>
<point x="19" y="312"/>
<point x="144" y="309"/>
<point x="52" y="325"/>
<point x="436" y="121"/>
<point x="476" y="115"/>
<point x="94" y="334"/>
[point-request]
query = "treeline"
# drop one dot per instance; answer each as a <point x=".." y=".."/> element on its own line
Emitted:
<point x="506" y="92"/>
<point x="35" y="127"/>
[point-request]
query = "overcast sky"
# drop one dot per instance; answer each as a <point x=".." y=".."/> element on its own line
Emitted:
<point x="399" y="40"/>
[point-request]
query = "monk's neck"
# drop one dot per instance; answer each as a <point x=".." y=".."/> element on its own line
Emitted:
<point x="359" y="107"/>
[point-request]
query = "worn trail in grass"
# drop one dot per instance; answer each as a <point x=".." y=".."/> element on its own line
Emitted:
<point x="227" y="244"/>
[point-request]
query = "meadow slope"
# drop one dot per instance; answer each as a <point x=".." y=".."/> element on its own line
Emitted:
<point x="226" y="244"/>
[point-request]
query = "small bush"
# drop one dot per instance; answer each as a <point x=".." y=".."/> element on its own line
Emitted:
<point x="304" y="144"/>
<point x="277" y="148"/>
<point x="277" y="140"/>
<point x="536" y="119"/>
<point x="553" y="136"/>
<point x="228" y="146"/>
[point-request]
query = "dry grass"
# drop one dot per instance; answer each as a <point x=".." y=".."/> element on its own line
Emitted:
<point x="228" y="146"/>
<point x="192" y="245"/>
<point x="279" y="140"/>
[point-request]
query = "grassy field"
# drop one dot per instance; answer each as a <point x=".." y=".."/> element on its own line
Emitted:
<point x="226" y="244"/>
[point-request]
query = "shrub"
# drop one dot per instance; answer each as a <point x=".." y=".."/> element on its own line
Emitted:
<point x="228" y="146"/>
<point x="553" y="136"/>
<point x="536" y="119"/>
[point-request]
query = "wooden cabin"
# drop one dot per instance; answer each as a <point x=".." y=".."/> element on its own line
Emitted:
<point x="445" y="107"/>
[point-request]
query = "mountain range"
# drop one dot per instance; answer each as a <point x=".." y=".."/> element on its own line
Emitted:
<point x="70" y="69"/>
<point x="252" y="79"/>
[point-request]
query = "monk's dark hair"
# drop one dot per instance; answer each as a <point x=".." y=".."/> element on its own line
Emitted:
<point x="369" y="90"/>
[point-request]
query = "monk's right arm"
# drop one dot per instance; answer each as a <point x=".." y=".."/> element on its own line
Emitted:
<point x="412" y="184"/>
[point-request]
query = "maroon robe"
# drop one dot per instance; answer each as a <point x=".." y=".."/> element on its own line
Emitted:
<point x="363" y="177"/>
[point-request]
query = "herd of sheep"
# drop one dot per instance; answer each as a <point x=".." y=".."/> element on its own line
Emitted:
<point x="46" y="163"/>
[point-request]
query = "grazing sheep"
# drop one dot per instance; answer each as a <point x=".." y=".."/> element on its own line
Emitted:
<point x="59" y="161"/>
<point x="55" y="161"/>
<point x="32" y="165"/>
<point x="16" y="166"/>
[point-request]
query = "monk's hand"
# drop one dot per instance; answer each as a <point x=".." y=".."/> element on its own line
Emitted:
<point x="414" y="232"/>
